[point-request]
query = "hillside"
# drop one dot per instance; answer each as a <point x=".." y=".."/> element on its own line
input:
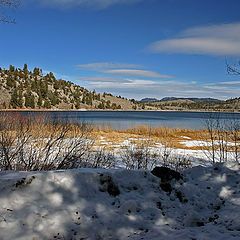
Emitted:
<point x="196" y="104"/>
<point x="210" y="100"/>
<point x="23" y="89"/>
<point x="151" y="100"/>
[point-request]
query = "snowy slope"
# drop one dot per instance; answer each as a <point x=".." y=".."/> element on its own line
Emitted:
<point x="120" y="204"/>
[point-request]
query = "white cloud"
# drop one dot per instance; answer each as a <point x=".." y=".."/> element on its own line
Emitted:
<point x="100" y="4"/>
<point x="106" y="65"/>
<point x="221" y="39"/>
<point x="230" y="82"/>
<point x="121" y="69"/>
<point x="227" y="85"/>
<point x="104" y="80"/>
<point x="136" y="73"/>
<point x="228" y="30"/>
<point x="140" y="88"/>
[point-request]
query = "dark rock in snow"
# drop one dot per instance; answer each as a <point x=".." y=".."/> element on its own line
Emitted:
<point x="200" y="224"/>
<point x="24" y="181"/>
<point x="166" y="187"/>
<point x="159" y="205"/>
<point x="166" y="174"/>
<point x="180" y="197"/>
<point x="108" y="185"/>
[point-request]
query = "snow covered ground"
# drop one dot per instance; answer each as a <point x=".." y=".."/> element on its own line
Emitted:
<point x="120" y="204"/>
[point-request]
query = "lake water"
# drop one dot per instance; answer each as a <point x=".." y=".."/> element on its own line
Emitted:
<point x="128" y="119"/>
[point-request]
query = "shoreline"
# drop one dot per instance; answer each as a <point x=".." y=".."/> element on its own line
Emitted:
<point x="110" y="110"/>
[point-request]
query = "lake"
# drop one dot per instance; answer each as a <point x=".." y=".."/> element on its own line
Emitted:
<point x="128" y="119"/>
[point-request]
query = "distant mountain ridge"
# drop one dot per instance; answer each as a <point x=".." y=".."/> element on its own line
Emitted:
<point x="211" y="100"/>
<point x="147" y="100"/>
<point x="151" y="100"/>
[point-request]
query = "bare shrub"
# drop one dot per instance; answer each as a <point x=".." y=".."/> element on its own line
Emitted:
<point x="12" y="140"/>
<point x="102" y="159"/>
<point x="167" y="146"/>
<point x="31" y="144"/>
<point x="234" y="135"/>
<point x="222" y="141"/>
<point x="178" y="162"/>
<point x="138" y="155"/>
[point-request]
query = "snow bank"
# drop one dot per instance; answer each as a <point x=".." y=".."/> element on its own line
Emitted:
<point x="120" y="204"/>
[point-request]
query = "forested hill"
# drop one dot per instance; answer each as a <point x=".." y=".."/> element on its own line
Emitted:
<point x="23" y="89"/>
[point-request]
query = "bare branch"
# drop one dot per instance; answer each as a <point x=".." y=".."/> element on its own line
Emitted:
<point x="233" y="69"/>
<point x="10" y="4"/>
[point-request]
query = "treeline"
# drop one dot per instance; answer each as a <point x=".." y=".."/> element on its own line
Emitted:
<point x="33" y="89"/>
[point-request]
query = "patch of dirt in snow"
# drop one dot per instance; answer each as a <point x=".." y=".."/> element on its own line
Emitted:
<point x="119" y="204"/>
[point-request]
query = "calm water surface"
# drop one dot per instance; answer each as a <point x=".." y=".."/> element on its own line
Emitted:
<point x="128" y="119"/>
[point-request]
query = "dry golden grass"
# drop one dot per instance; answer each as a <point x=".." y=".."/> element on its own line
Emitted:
<point x="169" y="137"/>
<point x="40" y="127"/>
<point x="137" y="135"/>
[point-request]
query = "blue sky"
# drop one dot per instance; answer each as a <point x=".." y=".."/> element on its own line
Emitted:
<point x="132" y="48"/>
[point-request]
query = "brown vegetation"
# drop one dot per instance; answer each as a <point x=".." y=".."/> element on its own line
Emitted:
<point x="37" y="143"/>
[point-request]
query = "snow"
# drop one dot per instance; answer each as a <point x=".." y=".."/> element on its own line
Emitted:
<point x="120" y="204"/>
<point x="196" y="143"/>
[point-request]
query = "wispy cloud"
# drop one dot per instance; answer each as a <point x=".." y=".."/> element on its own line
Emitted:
<point x="98" y="66"/>
<point x="121" y="69"/>
<point x="136" y="73"/>
<point x="230" y="82"/>
<point x="104" y="80"/>
<point x="226" y="85"/>
<point x="140" y="88"/>
<point x="221" y="39"/>
<point x="99" y="4"/>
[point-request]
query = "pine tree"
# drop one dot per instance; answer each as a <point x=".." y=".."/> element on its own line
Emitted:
<point x="27" y="84"/>
<point x="20" y="99"/>
<point x="36" y="71"/>
<point x="53" y="98"/>
<point x="40" y="99"/>
<point x="108" y="104"/>
<point x="78" y="104"/>
<point x="93" y="94"/>
<point x="98" y="97"/>
<point x="47" y="104"/>
<point x="101" y="105"/>
<point x="10" y="81"/>
<point x="14" y="99"/>
<point x="25" y="69"/>
<point x="114" y="106"/>
<point x="56" y="84"/>
<point x="43" y="89"/>
<point x="51" y="75"/>
<point x="11" y="68"/>
<point x="21" y="86"/>
<point x="83" y="99"/>
<point x="29" y="100"/>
